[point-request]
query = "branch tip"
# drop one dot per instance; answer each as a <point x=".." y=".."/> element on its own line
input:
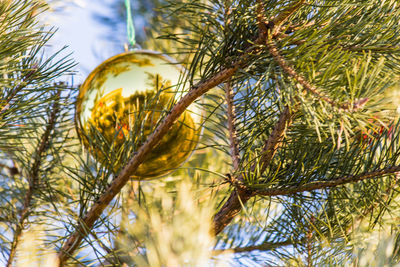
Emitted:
<point x="328" y="184"/>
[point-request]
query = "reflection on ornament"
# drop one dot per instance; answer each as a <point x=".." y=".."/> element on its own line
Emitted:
<point x="125" y="98"/>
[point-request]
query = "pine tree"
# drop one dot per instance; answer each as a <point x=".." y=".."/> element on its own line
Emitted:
<point x="297" y="165"/>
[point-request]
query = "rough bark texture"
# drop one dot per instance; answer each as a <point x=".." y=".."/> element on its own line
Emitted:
<point x="233" y="142"/>
<point x="230" y="209"/>
<point x="242" y="194"/>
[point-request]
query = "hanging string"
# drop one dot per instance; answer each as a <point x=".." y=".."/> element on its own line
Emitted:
<point x="129" y="24"/>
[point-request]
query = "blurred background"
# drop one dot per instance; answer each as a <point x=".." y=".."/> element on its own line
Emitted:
<point x="95" y="30"/>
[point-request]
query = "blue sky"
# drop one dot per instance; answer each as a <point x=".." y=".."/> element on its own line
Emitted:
<point x="84" y="36"/>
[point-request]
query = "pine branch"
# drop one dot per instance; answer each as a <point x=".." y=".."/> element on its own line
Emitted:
<point x="231" y="208"/>
<point x="285" y="14"/>
<point x="327" y="184"/>
<point x="275" y="23"/>
<point x="274" y="139"/>
<point x="231" y="125"/>
<point x="242" y="194"/>
<point x="262" y="27"/>
<point x="196" y="91"/>
<point x="12" y="170"/>
<point x="229" y="97"/>
<point x="123" y="177"/>
<point x="293" y="28"/>
<point x="385" y="198"/>
<point x="33" y="179"/>
<point x="307" y="85"/>
<point x="383" y="48"/>
<point x="263" y="247"/>
<point x="24" y="81"/>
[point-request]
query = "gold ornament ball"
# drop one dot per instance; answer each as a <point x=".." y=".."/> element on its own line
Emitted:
<point x="125" y="98"/>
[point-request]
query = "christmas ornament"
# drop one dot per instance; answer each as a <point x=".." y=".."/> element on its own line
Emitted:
<point x="125" y="98"/>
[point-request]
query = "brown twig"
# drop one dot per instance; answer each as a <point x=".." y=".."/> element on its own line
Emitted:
<point x="234" y="145"/>
<point x="275" y="139"/>
<point x="327" y="184"/>
<point x="383" y="48"/>
<point x="231" y="208"/>
<point x="5" y="103"/>
<point x="275" y="23"/>
<point x="263" y="247"/>
<point x="234" y="149"/>
<point x="284" y="15"/>
<point x="242" y="194"/>
<point x="262" y="26"/>
<point x="33" y="179"/>
<point x="307" y="85"/>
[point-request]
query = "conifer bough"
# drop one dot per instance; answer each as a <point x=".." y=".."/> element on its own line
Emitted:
<point x="115" y="187"/>
<point x="269" y="32"/>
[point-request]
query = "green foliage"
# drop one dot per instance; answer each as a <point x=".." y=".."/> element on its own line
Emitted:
<point x="329" y="57"/>
<point x="173" y="228"/>
<point x="347" y="57"/>
<point x="33" y="121"/>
